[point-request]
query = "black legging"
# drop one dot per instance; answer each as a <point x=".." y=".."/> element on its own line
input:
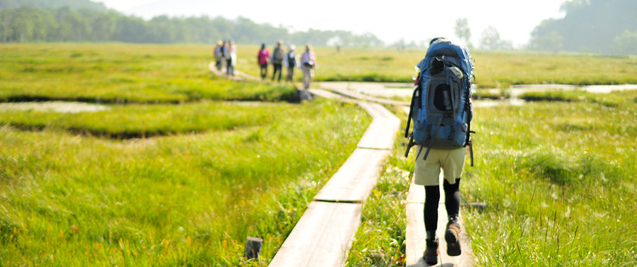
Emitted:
<point x="229" y="67"/>
<point x="277" y="68"/>
<point x="432" y="197"/>
<point x="264" y="70"/>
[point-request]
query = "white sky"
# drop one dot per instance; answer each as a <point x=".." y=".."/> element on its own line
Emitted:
<point x="389" y="20"/>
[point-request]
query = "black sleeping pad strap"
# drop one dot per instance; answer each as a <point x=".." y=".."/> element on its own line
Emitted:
<point x="411" y="109"/>
<point x="435" y="134"/>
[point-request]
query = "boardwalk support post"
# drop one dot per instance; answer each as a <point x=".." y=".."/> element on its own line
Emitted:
<point x="253" y="248"/>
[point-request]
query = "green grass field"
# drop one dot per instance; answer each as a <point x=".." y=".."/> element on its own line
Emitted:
<point x="77" y="200"/>
<point x="493" y="69"/>
<point x="183" y="166"/>
<point x="119" y="73"/>
<point x="174" y="172"/>
<point x="559" y="181"/>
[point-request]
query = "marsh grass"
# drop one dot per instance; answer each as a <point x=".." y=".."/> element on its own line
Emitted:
<point x="178" y="200"/>
<point x="607" y="100"/>
<point x="121" y="73"/>
<point x="557" y="177"/>
<point x="138" y="121"/>
<point x="559" y="181"/>
<point x="493" y="69"/>
<point x="380" y="240"/>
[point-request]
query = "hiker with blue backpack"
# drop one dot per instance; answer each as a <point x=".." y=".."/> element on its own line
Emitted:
<point x="441" y="113"/>
<point x="290" y="62"/>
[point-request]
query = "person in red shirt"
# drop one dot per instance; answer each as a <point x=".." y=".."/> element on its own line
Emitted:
<point x="263" y="58"/>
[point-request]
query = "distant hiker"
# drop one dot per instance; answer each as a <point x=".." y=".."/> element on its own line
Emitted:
<point x="308" y="62"/>
<point x="278" y="55"/>
<point x="230" y="54"/>
<point x="218" y="55"/>
<point x="262" y="59"/>
<point x="225" y="53"/>
<point x="441" y="112"/>
<point x="290" y="62"/>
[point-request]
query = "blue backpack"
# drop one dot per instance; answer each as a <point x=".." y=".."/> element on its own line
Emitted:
<point x="441" y="108"/>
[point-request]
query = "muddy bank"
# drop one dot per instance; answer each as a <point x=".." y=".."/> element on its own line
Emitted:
<point x="389" y="90"/>
<point x="53" y="106"/>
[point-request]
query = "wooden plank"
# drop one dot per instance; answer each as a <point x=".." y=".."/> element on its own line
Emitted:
<point x="324" y="234"/>
<point x="416" y="194"/>
<point x="355" y="179"/>
<point x="329" y="95"/>
<point x="415" y="243"/>
<point x="376" y="110"/>
<point x="357" y="95"/>
<point x="322" y="237"/>
<point x="380" y="134"/>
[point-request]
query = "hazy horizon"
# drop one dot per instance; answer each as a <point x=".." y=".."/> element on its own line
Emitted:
<point x="402" y="19"/>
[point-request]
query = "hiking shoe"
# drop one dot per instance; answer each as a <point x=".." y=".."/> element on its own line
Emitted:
<point x="431" y="252"/>
<point x="452" y="236"/>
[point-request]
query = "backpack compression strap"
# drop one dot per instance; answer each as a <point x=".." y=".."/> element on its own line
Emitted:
<point x="435" y="134"/>
<point x="409" y="118"/>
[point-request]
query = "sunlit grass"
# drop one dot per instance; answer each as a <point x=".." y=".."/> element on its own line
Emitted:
<point x="380" y="239"/>
<point x="135" y="121"/>
<point x="179" y="200"/>
<point x="121" y="73"/>
<point x="559" y="181"/>
<point x="558" y="176"/>
<point x="492" y="69"/>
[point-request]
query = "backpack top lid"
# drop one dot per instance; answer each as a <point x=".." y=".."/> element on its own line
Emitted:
<point x="447" y="48"/>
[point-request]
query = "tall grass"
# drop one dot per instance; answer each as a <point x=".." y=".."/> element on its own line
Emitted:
<point x="557" y="177"/>
<point x="121" y="73"/>
<point x="381" y="237"/>
<point x="117" y="73"/>
<point x="493" y="69"/>
<point x="559" y="181"/>
<point x="180" y="200"/>
<point x="136" y="121"/>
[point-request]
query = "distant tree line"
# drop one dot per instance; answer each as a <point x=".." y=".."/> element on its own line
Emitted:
<point x="88" y="24"/>
<point x="10" y="4"/>
<point x="601" y="26"/>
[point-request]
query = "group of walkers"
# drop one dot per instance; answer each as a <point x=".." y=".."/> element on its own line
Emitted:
<point x="226" y="56"/>
<point x="279" y="59"/>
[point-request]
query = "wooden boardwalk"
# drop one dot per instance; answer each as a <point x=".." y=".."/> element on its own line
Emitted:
<point x="324" y="234"/>
<point x="359" y="96"/>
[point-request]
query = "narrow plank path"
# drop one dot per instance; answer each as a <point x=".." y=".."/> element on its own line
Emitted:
<point x="238" y="76"/>
<point x="324" y="234"/>
<point x="342" y="90"/>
